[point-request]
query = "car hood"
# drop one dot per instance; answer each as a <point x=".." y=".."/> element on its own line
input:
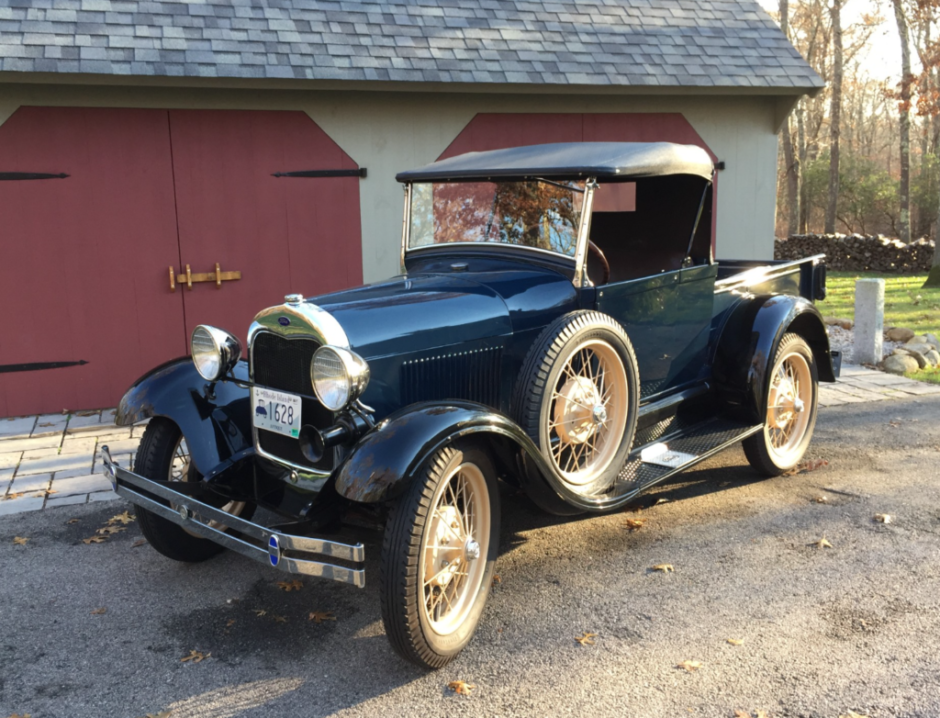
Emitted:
<point x="411" y="314"/>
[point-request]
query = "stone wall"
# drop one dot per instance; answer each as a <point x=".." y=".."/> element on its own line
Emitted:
<point x="858" y="253"/>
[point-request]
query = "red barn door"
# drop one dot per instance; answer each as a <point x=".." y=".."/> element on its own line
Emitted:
<point x="76" y="256"/>
<point x="284" y="234"/>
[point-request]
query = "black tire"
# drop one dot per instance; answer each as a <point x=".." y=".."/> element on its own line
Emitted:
<point x="541" y="376"/>
<point x="153" y="461"/>
<point x="401" y="572"/>
<point x="758" y="448"/>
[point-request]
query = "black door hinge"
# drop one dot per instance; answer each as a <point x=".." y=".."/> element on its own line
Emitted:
<point x="13" y="176"/>
<point x="361" y="172"/>
<point x="38" y="366"/>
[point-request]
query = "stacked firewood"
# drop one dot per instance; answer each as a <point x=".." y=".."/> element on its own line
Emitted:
<point x="859" y="253"/>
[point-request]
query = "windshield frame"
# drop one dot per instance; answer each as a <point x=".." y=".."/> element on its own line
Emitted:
<point x="590" y="184"/>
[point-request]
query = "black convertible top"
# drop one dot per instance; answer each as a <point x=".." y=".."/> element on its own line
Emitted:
<point x="569" y="160"/>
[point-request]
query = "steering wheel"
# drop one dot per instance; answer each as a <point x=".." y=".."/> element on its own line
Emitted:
<point x="605" y="265"/>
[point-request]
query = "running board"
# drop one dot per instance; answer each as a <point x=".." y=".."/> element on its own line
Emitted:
<point x="652" y="463"/>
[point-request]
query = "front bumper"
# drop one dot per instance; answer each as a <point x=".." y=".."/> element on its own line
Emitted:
<point x="285" y="552"/>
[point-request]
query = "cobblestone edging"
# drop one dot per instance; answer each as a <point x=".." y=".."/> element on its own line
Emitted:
<point x="52" y="460"/>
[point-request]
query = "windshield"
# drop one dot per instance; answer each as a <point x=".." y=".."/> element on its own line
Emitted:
<point x="539" y="214"/>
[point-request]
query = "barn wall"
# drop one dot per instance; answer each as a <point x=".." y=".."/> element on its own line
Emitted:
<point x="390" y="131"/>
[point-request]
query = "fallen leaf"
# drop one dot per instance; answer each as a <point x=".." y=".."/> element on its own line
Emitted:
<point x="260" y="612"/>
<point x="664" y="567"/>
<point x="49" y="492"/>
<point x="690" y="665"/>
<point x="46" y="423"/>
<point x="139" y="542"/>
<point x="742" y="714"/>
<point x="161" y="714"/>
<point x="822" y="543"/>
<point x="17" y="715"/>
<point x="99" y="611"/>
<point x="16" y="495"/>
<point x="279" y="619"/>
<point x="853" y="714"/>
<point x="813" y="465"/>
<point x="633" y="524"/>
<point x="86" y="413"/>
<point x="660" y="501"/>
<point x="587" y="639"/>
<point x="108" y="530"/>
<point x="497" y="579"/>
<point x="294" y="585"/>
<point x="95" y="539"/>
<point x="72" y="521"/>
<point x="761" y="714"/>
<point x="230" y="623"/>
<point x="320" y="616"/>
<point x="883" y="518"/>
<point x="735" y="641"/>
<point x="194" y="656"/>
<point x="461" y="687"/>
<point x="20" y="540"/>
<point x="821" y="500"/>
<point x="124" y="518"/>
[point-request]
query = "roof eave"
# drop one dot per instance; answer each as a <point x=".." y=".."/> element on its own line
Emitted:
<point x="281" y="83"/>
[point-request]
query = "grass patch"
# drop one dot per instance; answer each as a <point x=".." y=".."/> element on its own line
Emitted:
<point x="902" y="306"/>
<point x="930" y="375"/>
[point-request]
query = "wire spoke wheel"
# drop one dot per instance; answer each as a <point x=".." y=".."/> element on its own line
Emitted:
<point x="792" y="395"/>
<point x="455" y="538"/>
<point x="588" y="412"/>
<point x="182" y="469"/>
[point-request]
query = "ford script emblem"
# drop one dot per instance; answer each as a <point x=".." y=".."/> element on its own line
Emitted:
<point x="283" y="321"/>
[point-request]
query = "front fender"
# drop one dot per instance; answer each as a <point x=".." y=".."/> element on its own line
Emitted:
<point x="383" y="463"/>
<point x="215" y="417"/>
<point x="749" y="342"/>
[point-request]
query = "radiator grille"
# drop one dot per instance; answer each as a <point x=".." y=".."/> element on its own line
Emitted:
<point x="284" y="364"/>
<point x="471" y="375"/>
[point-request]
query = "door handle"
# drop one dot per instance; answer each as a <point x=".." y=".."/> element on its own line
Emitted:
<point x="188" y="277"/>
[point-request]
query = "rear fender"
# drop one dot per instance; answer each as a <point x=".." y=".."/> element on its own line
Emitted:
<point x="749" y="342"/>
<point x="384" y="462"/>
<point x="215" y="417"/>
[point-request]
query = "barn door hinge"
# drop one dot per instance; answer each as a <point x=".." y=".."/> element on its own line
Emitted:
<point x="14" y="176"/>
<point x="361" y="172"/>
<point x="188" y="277"/>
<point x="38" y="366"/>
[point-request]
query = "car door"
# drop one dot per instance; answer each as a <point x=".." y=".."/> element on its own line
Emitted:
<point x="667" y="317"/>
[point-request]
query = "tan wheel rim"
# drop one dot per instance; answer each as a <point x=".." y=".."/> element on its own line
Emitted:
<point x="454" y="548"/>
<point x="789" y="407"/>
<point x="180" y="471"/>
<point x="588" y="412"/>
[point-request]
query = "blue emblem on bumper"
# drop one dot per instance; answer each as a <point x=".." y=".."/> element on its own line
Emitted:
<point x="274" y="550"/>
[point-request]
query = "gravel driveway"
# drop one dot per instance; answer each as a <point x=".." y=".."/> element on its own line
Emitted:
<point x="823" y="630"/>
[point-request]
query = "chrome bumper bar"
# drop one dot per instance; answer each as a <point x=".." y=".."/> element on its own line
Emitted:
<point x="284" y="552"/>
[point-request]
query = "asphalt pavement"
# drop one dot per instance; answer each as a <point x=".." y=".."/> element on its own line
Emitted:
<point x="818" y="631"/>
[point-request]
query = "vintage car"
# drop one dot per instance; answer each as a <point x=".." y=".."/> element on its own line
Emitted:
<point x="559" y="323"/>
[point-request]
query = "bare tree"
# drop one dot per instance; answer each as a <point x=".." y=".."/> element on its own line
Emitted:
<point x="835" y="116"/>
<point x="904" y="109"/>
<point x="790" y="159"/>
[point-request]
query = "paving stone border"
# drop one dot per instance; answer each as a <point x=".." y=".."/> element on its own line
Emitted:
<point x="52" y="460"/>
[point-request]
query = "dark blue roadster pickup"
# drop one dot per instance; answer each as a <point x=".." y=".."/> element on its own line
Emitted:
<point x="559" y="324"/>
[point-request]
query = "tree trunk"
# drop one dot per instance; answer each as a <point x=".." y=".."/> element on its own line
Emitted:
<point x="835" y="115"/>
<point x="801" y="152"/>
<point x="789" y="157"/>
<point x="905" y="123"/>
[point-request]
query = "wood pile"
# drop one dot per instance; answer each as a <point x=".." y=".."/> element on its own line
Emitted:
<point x="859" y="253"/>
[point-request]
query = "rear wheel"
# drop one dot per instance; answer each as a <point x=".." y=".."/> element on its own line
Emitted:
<point x="792" y="397"/>
<point x="163" y="455"/>
<point x="439" y="554"/>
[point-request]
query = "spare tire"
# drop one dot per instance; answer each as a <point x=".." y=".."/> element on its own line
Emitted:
<point x="577" y="398"/>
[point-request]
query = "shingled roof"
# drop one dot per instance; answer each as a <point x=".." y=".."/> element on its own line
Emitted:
<point x="660" y="43"/>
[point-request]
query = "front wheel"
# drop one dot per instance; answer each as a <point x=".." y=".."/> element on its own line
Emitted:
<point x="163" y="455"/>
<point x="792" y="398"/>
<point x="438" y="555"/>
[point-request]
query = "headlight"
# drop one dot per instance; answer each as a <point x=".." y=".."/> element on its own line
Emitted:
<point x="339" y="376"/>
<point x="214" y="351"/>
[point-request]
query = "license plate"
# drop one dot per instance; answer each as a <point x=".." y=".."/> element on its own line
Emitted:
<point x="276" y="411"/>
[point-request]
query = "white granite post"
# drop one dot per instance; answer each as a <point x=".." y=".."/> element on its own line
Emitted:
<point x="869" y="320"/>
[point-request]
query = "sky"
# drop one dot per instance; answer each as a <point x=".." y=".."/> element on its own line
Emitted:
<point x="881" y="59"/>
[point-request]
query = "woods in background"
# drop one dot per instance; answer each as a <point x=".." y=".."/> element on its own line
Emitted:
<point x="862" y="155"/>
